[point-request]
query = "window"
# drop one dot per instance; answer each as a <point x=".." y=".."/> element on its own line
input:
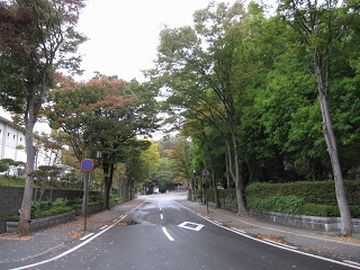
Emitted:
<point x="14" y="136"/>
<point x="8" y="134"/>
<point x="20" y="139"/>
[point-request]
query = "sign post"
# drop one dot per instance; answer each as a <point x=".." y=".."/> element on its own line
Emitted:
<point x="86" y="166"/>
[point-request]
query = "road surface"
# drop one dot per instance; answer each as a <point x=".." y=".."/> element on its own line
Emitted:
<point x="161" y="234"/>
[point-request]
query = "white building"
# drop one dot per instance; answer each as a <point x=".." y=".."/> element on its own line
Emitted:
<point x="12" y="141"/>
<point x="12" y="144"/>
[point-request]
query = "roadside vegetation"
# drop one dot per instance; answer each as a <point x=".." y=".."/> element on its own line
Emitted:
<point x="258" y="96"/>
<point x="267" y="97"/>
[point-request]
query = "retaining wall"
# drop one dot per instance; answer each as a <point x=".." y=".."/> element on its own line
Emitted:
<point x="11" y="197"/>
<point x="42" y="223"/>
<point x="327" y="224"/>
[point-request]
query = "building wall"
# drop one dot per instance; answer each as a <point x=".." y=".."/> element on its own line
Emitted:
<point x="11" y="137"/>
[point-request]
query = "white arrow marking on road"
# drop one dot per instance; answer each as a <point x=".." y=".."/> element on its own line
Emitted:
<point x="191" y="226"/>
<point x="161" y="216"/>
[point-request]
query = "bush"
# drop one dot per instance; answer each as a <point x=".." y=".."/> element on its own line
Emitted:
<point x="320" y="192"/>
<point x="12" y="181"/>
<point x="13" y="218"/>
<point x="302" y="198"/>
<point x="114" y="198"/>
<point x="282" y="204"/>
<point x="53" y="211"/>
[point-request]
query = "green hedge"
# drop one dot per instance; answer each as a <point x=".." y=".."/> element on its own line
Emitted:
<point x="320" y="192"/>
<point x="297" y="198"/>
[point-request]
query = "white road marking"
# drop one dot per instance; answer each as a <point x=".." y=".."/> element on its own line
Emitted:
<point x="236" y="229"/>
<point x="161" y="216"/>
<point x="344" y="263"/>
<point x="284" y="245"/>
<point x="167" y="234"/>
<point x="86" y="236"/>
<point x="191" y="226"/>
<point x="114" y="220"/>
<point x="351" y="262"/>
<point x="103" y="227"/>
<point x="74" y="248"/>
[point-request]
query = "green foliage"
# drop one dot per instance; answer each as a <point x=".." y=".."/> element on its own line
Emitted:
<point x="165" y="174"/>
<point x="53" y="211"/>
<point x="301" y="198"/>
<point x="298" y="198"/>
<point x="13" y="218"/>
<point x="12" y="181"/>
<point x="320" y="192"/>
<point x="281" y="204"/>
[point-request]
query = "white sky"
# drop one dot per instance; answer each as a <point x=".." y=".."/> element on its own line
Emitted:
<point x="124" y="34"/>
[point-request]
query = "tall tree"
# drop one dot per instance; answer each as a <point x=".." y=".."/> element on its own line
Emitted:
<point x="322" y="26"/>
<point x="35" y="37"/>
<point x="197" y="66"/>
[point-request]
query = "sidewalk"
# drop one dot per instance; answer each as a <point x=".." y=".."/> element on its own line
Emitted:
<point x="315" y="242"/>
<point x="55" y="239"/>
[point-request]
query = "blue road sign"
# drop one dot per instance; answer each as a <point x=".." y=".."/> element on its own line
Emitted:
<point x="87" y="164"/>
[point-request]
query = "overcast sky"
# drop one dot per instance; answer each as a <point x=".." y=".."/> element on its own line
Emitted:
<point x="124" y="34"/>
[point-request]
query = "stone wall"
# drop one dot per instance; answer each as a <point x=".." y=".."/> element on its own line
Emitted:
<point x="11" y="197"/>
<point x="327" y="224"/>
<point x="42" y="223"/>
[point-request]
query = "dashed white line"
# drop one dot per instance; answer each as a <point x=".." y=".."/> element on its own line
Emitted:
<point x="103" y="227"/>
<point x="167" y="234"/>
<point x="161" y="216"/>
<point x="86" y="236"/>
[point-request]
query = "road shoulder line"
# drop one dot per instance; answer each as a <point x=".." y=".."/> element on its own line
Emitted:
<point x="272" y="244"/>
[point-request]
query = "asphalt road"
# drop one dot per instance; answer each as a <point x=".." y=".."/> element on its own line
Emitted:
<point x="150" y="238"/>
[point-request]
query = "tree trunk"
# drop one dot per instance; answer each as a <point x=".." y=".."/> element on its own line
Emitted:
<point x="346" y="222"/>
<point x="238" y="178"/>
<point x="25" y="211"/>
<point x="193" y="195"/>
<point x="107" y="186"/>
<point x="227" y="173"/>
<point x="216" y="191"/>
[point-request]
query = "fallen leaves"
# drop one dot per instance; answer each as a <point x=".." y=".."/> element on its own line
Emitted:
<point x="74" y="234"/>
<point x="14" y="236"/>
<point x="274" y="238"/>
